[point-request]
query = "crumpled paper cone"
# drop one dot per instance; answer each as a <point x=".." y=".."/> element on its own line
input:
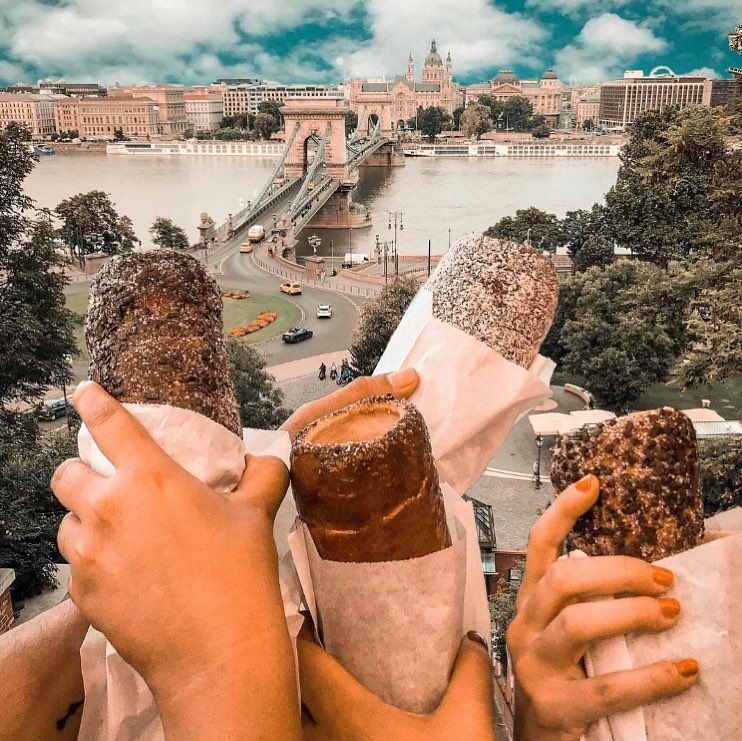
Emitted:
<point x="469" y="395"/>
<point x="397" y="626"/>
<point x="118" y="703"/>
<point x="707" y="585"/>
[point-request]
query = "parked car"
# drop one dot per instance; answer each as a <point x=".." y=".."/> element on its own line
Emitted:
<point x="291" y="288"/>
<point x="324" y="311"/>
<point x="297" y="334"/>
<point x="53" y="409"/>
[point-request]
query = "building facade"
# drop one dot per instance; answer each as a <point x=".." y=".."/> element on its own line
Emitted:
<point x="395" y="102"/>
<point x="35" y="112"/>
<point x="170" y="101"/>
<point x="622" y="101"/>
<point x="73" y="89"/>
<point x="98" y="118"/>
<point x="245" y="98"/>
<point x="587" y="109"/>
<point x="204" y="111"/>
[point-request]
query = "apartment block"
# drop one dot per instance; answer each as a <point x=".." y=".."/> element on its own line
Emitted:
<point x="35" y="112"/>
<point x="241" y="99"/>
<point x="170" y="100"/>
<point x="203" y="111"/>
<point x="98" y="118"/>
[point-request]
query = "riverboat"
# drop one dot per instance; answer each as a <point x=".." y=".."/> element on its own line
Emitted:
<point x="513" y="149"/>
<point x="211" y="147"/>
<point x="44" y="150"/>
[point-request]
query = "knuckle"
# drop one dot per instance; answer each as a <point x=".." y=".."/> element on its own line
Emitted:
<point x="557" y="579"/>
<point x="571" y="624"/>
<point x="606" y="694"/>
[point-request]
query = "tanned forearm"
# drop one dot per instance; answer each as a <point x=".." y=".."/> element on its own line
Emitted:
<point x="41" y="679"/>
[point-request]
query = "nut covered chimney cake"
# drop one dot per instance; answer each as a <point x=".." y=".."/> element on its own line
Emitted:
<point x="502" y="293"/>
<point x="366" y="485"/>
<point x="155" y="336"/>
<point x="650" y="502"/>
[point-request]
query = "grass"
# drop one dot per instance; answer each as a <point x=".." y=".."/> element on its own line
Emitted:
<point x="236" y="313"/>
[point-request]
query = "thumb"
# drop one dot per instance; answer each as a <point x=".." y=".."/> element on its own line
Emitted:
<point x="469" y="697"/>
<point x="263" y="484"/>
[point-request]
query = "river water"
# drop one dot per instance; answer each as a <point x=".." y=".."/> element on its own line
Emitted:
<point x="435" y="194"/>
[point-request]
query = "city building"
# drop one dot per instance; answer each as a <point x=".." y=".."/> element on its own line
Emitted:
<point x="98" y="118"/>
<point x="245" y="98"/>
<point x="546" y="95"/>
<point x="34" y="111"/>
<point x="397" y="101"/>
<point x="724" y="93"/>
<point x="621" y="101"/>
<point x="203" y="110"/>
<point x="73" y="89"/>
<point x="170" y="105"/>
<point x="587" y="108"/>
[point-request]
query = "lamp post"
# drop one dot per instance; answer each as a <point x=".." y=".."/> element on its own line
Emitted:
<point x="396" y="217"/>
<point x="528" y="236"/>
<point x="537" y="472"/>
<point x="383" y="246"/>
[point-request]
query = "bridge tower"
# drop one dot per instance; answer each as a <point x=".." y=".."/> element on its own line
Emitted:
<point x="313" y="116"/>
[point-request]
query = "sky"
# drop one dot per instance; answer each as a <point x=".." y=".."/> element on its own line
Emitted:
<point x="326" y="41"/>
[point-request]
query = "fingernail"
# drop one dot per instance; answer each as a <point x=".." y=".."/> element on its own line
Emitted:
<point x="587" y="483"/>
<point x="687" y="667"/>
<point x="473" y="635"/>
<point x="663" y="577"/>
<point x="402" y="381"/>
<point x="669" y="607"/>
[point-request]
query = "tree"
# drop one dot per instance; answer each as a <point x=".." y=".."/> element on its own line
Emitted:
<point x="618" y="330"/>
<point x="502" y="613"/>
<point x="432" y="120"/>
<point x="351" y="122"/>
<point x="91" y="224"/>
<point x="168" y="235"/>
<point x="530" y="225"/>
<point x="259" y="399"/>
<point x="265" y="125"/>
<point x="456" y="118"/>
<point x="475" y="121"/>
<point x="721" y="483"/>
<point x="541" y="132"/>
<point x="119" y="136"/>
<point x="517" y="112"/>
<point x="379" y="318"/>
<point x="494" y="107"/>
<point x="595" y="252"/>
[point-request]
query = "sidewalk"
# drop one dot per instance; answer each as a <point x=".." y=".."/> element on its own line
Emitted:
<point x="307" y="366"/>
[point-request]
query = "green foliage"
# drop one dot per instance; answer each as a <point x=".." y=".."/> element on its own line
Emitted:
<point x="119" y="136"/>
<point x="475" y="120"/>
<point x="90" y="223"/>
<point x="456" y="118"/>
<point x="265" y="125"/>
<point x="225" y="134"/>
<point x="721" y="480"/>
<point x="168" y="235"/>
<point x="618" y="330"/>
<point x="597" y="252"/>
<point x="542" y="131"/>
<point x="29" y="513"/>
<point x="259" y="399"/>
<point x="432" y="120"/>
<point x="494" y="107"/>
<point x="241" y="121"/>
<point x="502" y="613"/>
<point x="545" y="229"/>
<point x="351" y="122"/>
<point x="517" y="113"/>
<point x="379" y="318"/>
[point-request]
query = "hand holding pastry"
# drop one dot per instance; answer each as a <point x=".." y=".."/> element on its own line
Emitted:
<point x="147" y="542"/>
<point x="555" y="624"/>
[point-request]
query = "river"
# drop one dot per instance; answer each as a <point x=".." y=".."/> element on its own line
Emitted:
<point x="435" y="194"/>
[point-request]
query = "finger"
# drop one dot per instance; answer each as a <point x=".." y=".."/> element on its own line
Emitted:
<point x="120" y="437"/>
<point x="468" y="698"/>
<point x="575" y="580"/>
<point x="400" y="384"/>
<point x="329" y="691"/>
<point x="72" y="484"/>
<point x="598" y="697"/>
<point x="546" y="539"/>
<point x="263" y="483"/>
<point x="565" y="640"/>
<point x="68" y="537"/>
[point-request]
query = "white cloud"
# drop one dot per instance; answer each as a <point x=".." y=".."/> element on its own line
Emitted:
<point x="604" y="48"/>
<point x="577" y="7"/>
<point x="151" y="40"/>
<point x="704" y="14"/>
<point x="707" y="72"/>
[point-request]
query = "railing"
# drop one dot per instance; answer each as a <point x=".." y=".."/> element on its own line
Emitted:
<point x="317" y="162"/>
<point x="316" y="195"/>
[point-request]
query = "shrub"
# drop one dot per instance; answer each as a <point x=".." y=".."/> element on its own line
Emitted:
<point x="721" y="474"/>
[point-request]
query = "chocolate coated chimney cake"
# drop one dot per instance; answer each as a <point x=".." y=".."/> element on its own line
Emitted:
<point x="155" y="336"/>
<point x="650" y="502"/>
<point x="502" y="293"/>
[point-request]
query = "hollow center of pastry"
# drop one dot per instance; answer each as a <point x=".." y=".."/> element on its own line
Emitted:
<point x="367" y="422"/>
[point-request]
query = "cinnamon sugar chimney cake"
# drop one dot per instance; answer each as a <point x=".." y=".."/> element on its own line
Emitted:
<point x="502" y="293"/>
<point x="650" y="502"/>
<point x="366" y="485"/>
<point x="155" y="336"/>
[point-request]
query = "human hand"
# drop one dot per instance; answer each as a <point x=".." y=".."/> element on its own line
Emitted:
<point x="555" y="624"/>
<point x="400" y="384"/>
<point x="181" y="580"/>
<point x="341" y="709"/>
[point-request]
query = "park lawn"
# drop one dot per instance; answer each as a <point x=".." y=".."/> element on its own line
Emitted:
<point x="725" y="398"/>
<point x="236" y="313"/>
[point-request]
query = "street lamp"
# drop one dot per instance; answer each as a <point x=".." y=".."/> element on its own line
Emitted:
<point x="528" y="237"/>
<point x="396" y="216"/>
<point x="385" y="246"/>
<point x="537" y="471"/>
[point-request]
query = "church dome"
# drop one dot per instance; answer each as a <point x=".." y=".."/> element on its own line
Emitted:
<point x="549" y="75"/>
<point x="505" y="75"/>
<point x="433" y="58"/>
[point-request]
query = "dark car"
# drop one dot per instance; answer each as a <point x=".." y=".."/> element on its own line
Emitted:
<point x="297" y="335"/>
<point x="54" y="409"/>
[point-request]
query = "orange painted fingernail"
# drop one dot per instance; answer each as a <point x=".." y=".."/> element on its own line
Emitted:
<point x="587" y="483"/>
<point x="663" y="577"/>
<point x="669" y="607"/>
<point x="687" y="667"/>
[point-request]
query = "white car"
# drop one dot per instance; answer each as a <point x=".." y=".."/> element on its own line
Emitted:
<point x="324" y="311"/>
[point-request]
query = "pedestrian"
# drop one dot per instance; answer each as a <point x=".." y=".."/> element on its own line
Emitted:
<point x="322" y="372"/>
<point x="333" y="371"/>
<point x="322" y="277"/>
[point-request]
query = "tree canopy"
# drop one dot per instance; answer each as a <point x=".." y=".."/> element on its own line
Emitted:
<point x="541" y="229"/>
<point x="432" y="121"/>
<point x="168" y="235"/>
